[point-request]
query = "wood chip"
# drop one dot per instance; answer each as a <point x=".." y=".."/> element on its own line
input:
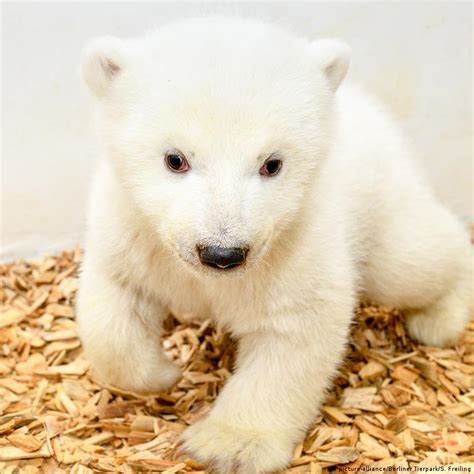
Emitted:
<point x="372" y="370"/>
<point x="427" y="368"/>
<point x="10" y="317"/>
<point x="338" y="455"/>
<point x="454" y="442"/>
<point x="60" y="310"/>
<point x="335" y="414"/>
<point x="404" y="374"/>
<point x="13" y="386"/>
<point x="101" y="438"/>
<point x="376" y="432"/>
<point x="362" y="397"/>
<point x="398" y="422"/>
<point x="407" y="441"/>
<point x="371" y="448"/>
<point x="68" y="404"/>
<point x="25" y="442"/>
<point x="8" y="453"/>
<point x="35" y="362"/>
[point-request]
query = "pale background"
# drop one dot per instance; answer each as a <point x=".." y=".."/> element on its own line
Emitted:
<point x="417" y="57"/>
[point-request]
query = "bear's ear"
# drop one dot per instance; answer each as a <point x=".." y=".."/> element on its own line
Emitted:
<point x="102" y="61"/>
<point x="333" y="57"/>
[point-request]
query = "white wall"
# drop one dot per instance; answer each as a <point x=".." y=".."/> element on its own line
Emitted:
<point x="416" y="56"/>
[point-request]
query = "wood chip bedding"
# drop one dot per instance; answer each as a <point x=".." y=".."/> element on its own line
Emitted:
<point x="395" y="403"/>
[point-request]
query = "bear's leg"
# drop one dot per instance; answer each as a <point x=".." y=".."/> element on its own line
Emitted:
<point x="421" y="261"/>
<point x="120" y="330"/>
<point x="275" y="392"/>
<point x="441" y="323"/>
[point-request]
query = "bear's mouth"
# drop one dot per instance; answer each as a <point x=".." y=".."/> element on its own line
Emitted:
<point x="218" y="267"/>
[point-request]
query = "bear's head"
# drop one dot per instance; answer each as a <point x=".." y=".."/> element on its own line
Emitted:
<point x="216" y="128"/>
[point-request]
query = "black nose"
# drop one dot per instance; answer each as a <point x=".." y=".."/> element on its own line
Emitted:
<point x="222" y="257"/>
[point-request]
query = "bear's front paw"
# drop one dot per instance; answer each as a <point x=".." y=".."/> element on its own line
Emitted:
<point x="230" y="449"/>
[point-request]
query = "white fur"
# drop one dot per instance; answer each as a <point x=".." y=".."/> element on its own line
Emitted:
<point x="348" y="216"/>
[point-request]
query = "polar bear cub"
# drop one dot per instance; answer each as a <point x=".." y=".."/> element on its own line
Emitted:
<point x="242" y="180"/>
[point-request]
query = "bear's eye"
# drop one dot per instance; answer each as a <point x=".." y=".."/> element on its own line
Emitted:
<point x="271" y="167"/>
<point x="176" y="161"/>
